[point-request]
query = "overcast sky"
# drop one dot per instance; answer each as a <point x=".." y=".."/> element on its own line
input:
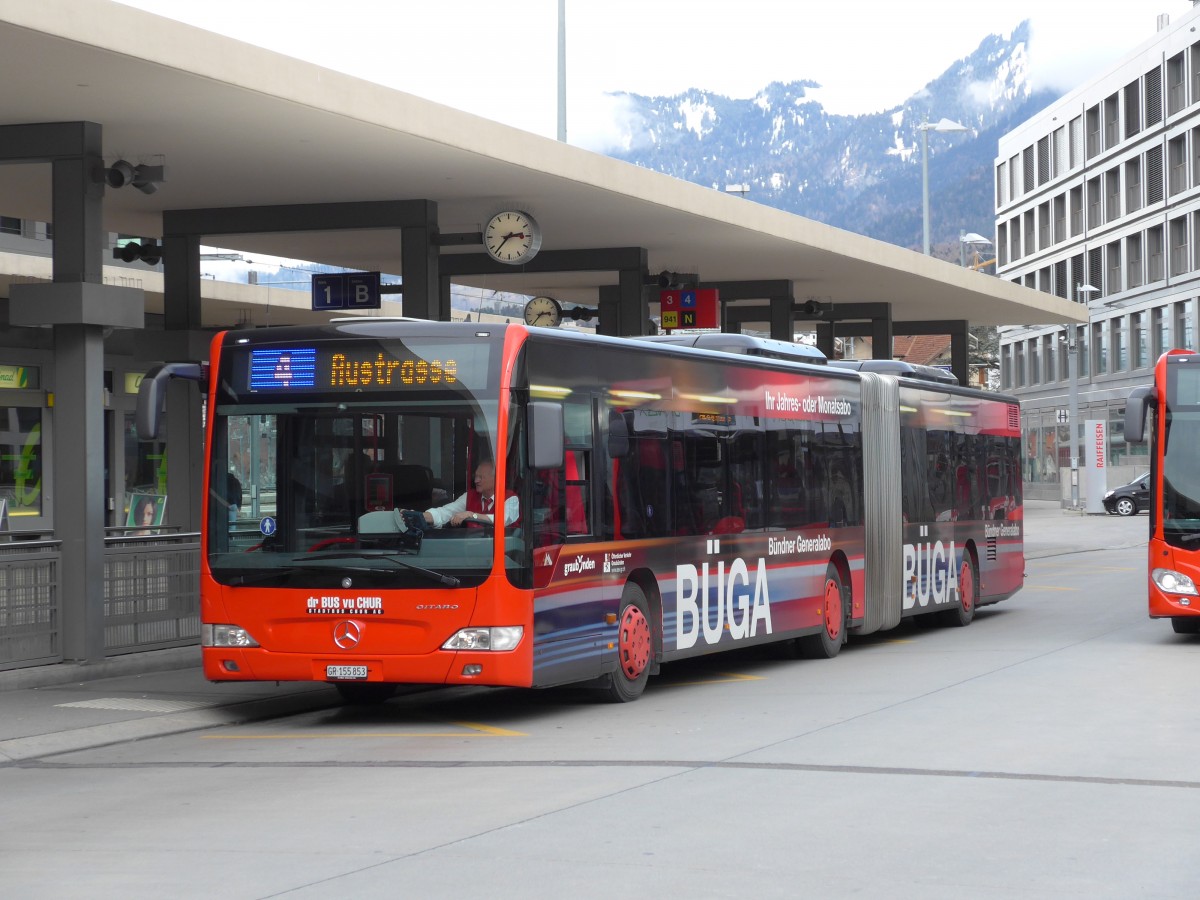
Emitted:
<point x="499" y="59"/>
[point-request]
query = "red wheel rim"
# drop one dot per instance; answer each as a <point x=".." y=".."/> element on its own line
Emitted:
<point x="966" y="586"/>
<point x="633" y="645"/>
<point x="833" y="608"/>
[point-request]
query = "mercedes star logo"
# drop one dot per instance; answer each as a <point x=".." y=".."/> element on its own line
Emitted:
<point x="347" y="634"/>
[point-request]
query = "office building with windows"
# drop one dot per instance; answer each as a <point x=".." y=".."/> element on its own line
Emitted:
<point x="1098" y="202"/>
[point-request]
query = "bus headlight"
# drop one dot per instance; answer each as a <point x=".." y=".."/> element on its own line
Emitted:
<point x="1173" y="582"/>
<point x="498" y="638"/>
<point x="225" y="636"/>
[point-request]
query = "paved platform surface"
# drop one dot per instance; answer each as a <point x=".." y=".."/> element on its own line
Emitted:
<point x="47" y="710"/>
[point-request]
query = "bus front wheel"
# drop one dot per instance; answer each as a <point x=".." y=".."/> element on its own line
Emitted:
<point x="826" y="643"/>
<point x="635" y="647"/>
<point x="1185" y="624"/>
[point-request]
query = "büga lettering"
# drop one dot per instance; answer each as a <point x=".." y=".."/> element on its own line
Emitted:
<point x="743" y="602"/>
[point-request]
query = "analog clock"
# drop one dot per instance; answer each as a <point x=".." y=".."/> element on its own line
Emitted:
<point x="512" y="237"/>
<point x="543" y="311"/>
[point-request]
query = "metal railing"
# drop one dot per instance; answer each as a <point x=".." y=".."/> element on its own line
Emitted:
<point x="151" y="596"/>
<point x="30" y="611"/>
<point x="151" y="592"/>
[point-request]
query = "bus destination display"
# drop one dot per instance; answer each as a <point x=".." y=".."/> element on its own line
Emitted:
<point x="370" y="367"/>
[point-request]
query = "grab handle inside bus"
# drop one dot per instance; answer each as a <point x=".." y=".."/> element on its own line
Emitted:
<point x="546" y="444"/>
<point x="1135" y="413"/>
<point x="152" y="392"/>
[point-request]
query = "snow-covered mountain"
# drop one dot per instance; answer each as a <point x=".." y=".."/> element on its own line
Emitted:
<point x="861" y="173"/>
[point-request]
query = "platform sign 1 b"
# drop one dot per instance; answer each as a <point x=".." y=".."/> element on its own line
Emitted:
<point x="690" y="308"/>
<point x="345" y="290"/>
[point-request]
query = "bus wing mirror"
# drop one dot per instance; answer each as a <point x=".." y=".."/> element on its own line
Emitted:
<point x="1135" y="413"/>
<point x="152" y="394"/>
<point x="545" y="435"/>
<point x="618" y="436"/>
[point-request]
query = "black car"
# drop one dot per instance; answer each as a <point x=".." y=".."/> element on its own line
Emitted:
<point x="1129" y="499"/>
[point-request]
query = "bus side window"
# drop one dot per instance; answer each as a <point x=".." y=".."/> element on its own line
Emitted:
<point x="576" y="492"/>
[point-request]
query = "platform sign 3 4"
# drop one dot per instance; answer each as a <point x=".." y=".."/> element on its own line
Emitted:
<point x="690" y="308"/>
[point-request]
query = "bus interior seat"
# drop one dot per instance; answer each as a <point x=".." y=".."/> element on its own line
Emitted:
<point x="414" y="486"/>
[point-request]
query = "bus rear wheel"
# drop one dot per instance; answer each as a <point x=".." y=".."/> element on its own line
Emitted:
<point x="1185" y="624"/>
<point x="968" y="593"/>
<point x="635" y="647"/>
<point x="826" y="643"/>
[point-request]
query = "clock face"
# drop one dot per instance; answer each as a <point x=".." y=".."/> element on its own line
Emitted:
<point x="543" y="311"/>
<point x="512" y="237"/>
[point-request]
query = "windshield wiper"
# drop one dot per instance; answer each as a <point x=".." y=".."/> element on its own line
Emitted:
<point x="439" y="577"/>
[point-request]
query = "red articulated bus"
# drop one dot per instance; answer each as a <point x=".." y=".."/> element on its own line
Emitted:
<point x="669" y="501"/>
<point x="1174" y="548"/>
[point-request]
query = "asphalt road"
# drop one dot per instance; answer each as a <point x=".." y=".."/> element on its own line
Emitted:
<point x="1045" y="751"/>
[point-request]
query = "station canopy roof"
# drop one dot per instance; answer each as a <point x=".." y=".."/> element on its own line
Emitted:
<point x="240" y="126"/>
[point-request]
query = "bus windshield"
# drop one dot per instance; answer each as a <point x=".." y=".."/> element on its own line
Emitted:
<point x="312" y="494"/>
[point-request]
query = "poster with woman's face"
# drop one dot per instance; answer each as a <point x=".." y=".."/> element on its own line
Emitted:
<point x="146" y="512"/>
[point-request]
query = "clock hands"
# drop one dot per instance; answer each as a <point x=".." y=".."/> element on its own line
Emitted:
<point x="519" y="235"/>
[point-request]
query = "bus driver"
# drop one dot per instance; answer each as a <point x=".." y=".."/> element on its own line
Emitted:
<point x="477" y="504"/>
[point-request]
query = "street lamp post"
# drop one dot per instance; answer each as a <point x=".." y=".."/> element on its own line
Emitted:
<point x="942" y="126"/>
<point x="1073" y="395"/>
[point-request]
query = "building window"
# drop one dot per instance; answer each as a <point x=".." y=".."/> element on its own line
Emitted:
<point x="1160" y="337"/>
<point x="1133" y="184"/>
<point x="1133" y="110"/>
<point x="1019" y="365"/>
<point x="1194" y="54"/>
<point x="1001" y="179"/>
<point x="1120" y="345"/>
<point x="1081" y="351"/>
<point x="1043" y="160"/>
<point x="1112" y="121"/>
<point x="1179" y="245"/>
<point x="1112" y="194"/>
<point x="1184" y="338"/>
<point x="1060" y="219"/>
<point x="1093" y="132"/>
<point x="1062" y="284"/>
<point x="1076" y="211"/>
<point x="1176" y="86"/>
<point x="1140" y="354"/>
<point x="1100" y="348"/>
<point x="9" y="225"/>
<point x="1177" y="160"/>
<point x="1002" y="244"/>
<point x="1043" y="226"/>
<point x="1076" y="142"/>
<point x="1115" y="282"/>
<point x="1154" y="254"/>
<point x="1035" y="363"/>
<point x="1028" y="228"/>
<point x="1133" y="260"/>
<point x="1094" y="200"/>
<point x="21" y="461"/>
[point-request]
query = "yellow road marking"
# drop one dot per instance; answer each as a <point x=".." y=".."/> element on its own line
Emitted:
<point x="727" y="678"/>
<point x="475" y="729"/>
